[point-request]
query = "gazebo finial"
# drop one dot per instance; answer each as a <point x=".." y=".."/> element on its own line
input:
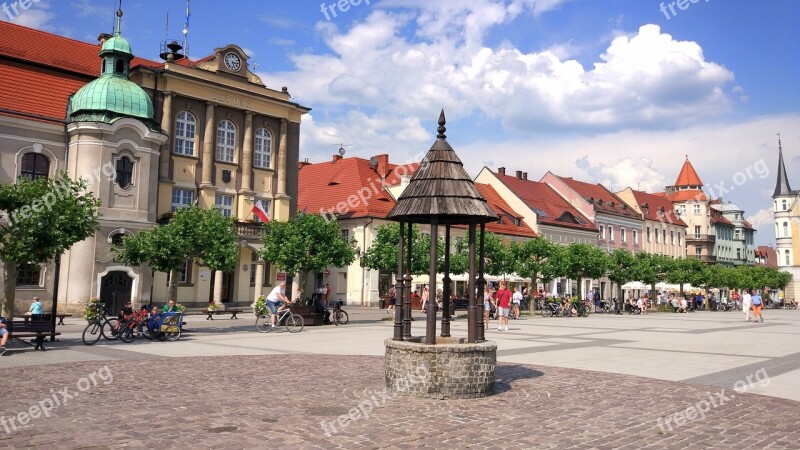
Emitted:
<point x="441" y="128"/>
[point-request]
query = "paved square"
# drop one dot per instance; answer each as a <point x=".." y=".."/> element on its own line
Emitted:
<point x="656" y="381"/>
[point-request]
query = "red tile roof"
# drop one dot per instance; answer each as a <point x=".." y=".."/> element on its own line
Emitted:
<point x="748" y="225"/>
<point x="602" y="199"/>
<point x="39" y="71"/>
<point x="659" y="208"/>
<point x="503" y="210"/>
<point x="550" y="208"/>
<point x="688" y="195"/>
<point x="769" y="254"/>
<point x="324" y="186"/>
<point x="688" y="176"/>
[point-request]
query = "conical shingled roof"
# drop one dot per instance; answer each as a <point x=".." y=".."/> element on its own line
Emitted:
<point x="782" y="187"/>
<point x="441" y="189"/>
<point x="688" y="176"/>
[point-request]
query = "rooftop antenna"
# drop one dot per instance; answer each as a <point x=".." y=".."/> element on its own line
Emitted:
<point x="186" y="31"/>
<point x="117" y="22"/>
<point x="166" y="27"/>
<point x="341" y="148"/>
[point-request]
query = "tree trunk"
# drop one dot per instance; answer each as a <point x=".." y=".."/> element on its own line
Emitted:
<point x="172" y="291"/>
<point x="10" y="279"/>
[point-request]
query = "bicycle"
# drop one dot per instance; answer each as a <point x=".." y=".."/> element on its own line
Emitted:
<point x="104" y="326"/>
<point x="339" y="315"/>
<point x="292" y="322"/>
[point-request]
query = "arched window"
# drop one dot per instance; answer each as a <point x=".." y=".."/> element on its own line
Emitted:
<point x="124" y="172"/>
<point x="786" y="255"/>
<point x="783" y="205"/>
<point x="185" y="130"/>
<point x="226" y="141"/>
<point x="35" y="166"/>
<point x="785" y="229"/>
<point x="263" y="149"/>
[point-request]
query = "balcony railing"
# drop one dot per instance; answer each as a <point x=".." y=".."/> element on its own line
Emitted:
<point x="704" y="258"/>
<point x="700" y="237"/>
<point x="250" y="230"/>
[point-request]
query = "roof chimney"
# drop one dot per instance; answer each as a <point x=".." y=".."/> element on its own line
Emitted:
<point x="383" y="165"/>
<point x="525" y="176"/>
<point x="302" y="164"/>
<point x="501" y="170"/>
<point x="337" y="157"/>
<point x="519" y="174"/>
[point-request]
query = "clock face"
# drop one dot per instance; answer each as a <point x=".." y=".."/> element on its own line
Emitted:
<point x="233" y="62"/>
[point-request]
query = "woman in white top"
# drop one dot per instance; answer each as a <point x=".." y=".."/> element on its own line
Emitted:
<point x="488" y="303"/>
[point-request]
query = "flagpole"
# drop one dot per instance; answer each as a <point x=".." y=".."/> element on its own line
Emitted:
<point x="186" y="31"/>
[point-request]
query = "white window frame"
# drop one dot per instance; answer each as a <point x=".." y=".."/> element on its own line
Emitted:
<point x="656" y="233"/>
<point x="183" y="201"/>
<point x="262" y="149"/>
<point x="185" y="133"/>
<point x="622" y="236"/>
<point x="611" y="233"/>
<point x="696" y="210"/>
<point x="602" y="232"/>
<point x="635" y="237"/>
<point x="224" y="203"/>
<point x="226" y="141"/>
<point x="649" y="236"/>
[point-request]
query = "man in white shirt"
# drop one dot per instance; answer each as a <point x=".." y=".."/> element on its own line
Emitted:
<point x="276" y="300"/>
<point x="747" y="302"/>
<point x="516" y="299"/>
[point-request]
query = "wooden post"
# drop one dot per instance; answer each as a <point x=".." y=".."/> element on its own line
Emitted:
<point x="407" y="282"/>
<point x="398" y="303"/>
<point x="472" y="312"/>
<point x="430" y="312"/>
<point x="481" y="286"/>
<point x="447" y="286"/>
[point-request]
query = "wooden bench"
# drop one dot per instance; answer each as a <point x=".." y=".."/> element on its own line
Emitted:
<point x="27" y="317"/>
<point x="37" y="328"/>
<point x="213" y="312"/>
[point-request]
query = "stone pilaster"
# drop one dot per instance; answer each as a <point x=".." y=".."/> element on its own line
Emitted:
<point x="247" y="154"/>
<point x="166" y="127"/>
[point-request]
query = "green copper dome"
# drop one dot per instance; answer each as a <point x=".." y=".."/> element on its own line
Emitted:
<point x="113" y="95"/>
<point x="116" y="44"/>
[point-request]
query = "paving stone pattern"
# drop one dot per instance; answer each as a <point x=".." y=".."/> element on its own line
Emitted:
<point x="280" y="401"/>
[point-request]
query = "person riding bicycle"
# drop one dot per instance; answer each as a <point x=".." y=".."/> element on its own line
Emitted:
<point x="277" y="301"/>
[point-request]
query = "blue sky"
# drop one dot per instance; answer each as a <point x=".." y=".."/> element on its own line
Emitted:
<point x="611" y="91"/>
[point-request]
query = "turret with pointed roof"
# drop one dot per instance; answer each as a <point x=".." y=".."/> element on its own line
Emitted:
<point x="688" y="177"/>
<point x="782" y="188"/>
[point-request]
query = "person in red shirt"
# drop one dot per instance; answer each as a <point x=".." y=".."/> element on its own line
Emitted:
<point x="503" y="306"/>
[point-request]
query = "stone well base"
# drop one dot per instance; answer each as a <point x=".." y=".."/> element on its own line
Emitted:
<point x="451" y="369"/>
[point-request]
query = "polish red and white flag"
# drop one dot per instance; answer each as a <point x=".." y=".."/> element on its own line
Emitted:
<point x="260" y="212"/>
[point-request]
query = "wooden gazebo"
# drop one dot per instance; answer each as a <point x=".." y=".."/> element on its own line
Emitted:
<point x="440" y="193"/>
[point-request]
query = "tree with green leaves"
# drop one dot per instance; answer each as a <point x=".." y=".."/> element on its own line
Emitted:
<point x="192" y="233"/>
<point x="382" y="254"/>
<point x="687" y="271"/>
<point x="622" y="269"/>
<point x="652" y="268"/>
<point x="499" y="257"/>
<point x="308" y="243"/>
<point x="585" y="261"/>
<point x="536" y="258"/>
<point x="44" y="218"/>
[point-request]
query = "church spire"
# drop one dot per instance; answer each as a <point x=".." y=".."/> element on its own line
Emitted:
<point x="782" y="187"/>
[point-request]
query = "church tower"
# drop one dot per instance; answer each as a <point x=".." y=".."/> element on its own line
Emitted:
<point x="114" y="144"/>
<point x="786" y="213"/>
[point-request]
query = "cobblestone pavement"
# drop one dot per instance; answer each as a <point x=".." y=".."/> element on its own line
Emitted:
<point x="280" y="401"/>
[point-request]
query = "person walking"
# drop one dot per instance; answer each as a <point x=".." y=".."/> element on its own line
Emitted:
<point x="756" y="298"/>
<point x="488" y="303"/>
<point x="503" y="306"/>
<point x="392" y="299"/>
<point x="516" y="299"/>
<point x="425" y="297"/>
<point x="747" y="302"/>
